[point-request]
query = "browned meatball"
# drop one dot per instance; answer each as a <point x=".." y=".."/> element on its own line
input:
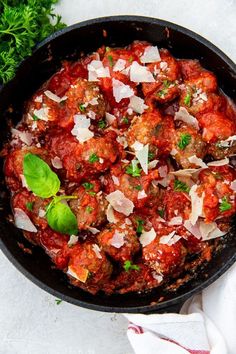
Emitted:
<point x="187" y="143"/>
<point x="119" y="241"/>
<point x="85" y="97"/>
<point x="88" y="266"/>
<point x="89" y="207"/>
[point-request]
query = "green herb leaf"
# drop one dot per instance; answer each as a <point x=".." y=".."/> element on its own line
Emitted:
<point x="161" y="212"/>
<point x="81" y="107"/>
<point x="187" y="99"/>
<point x="133" y="169"/>
<point x="58" y="301"/>
<point x="128" y="265"/>
<point x="87" y="185"/>
<point x="151" y="155"/>
<point x="35" y="118"/>
<point x="162" y="93"/>
<point x="89" y="209"/>
<point x="125" y="120"/>
<point x="93" y="158"/>
<point x="110" y="59"/>
<point x="225" y="205"/>
<point x="91" y="193"/>
<point x="139" y="188"/>
<point x="184" y="141"/>
<point x="140" y="224"/>
<point x="181" y="186"/>
<point x="29" y="206"/>
<point x="166" y="83"/>
<point x="102" y="124"/>
<point x="60" y="217"/>
<point x="41" y="180"/>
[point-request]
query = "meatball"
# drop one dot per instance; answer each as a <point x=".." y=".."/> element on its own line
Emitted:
<point x="163" y="258"/>
<point x="143" y="129"/>
<point x="163" y="139"/>
<point x="119" y="241"/>
<point x="176" y="204"/>
<point x="88" y="266"/>
<point x="90" y="206"/>
<point x="187" y="143"/>
<point x="189" y="68"/>
<point x="85" y="97"/>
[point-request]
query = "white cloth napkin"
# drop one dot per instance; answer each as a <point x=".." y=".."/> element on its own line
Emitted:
<point x="206" y="325"/>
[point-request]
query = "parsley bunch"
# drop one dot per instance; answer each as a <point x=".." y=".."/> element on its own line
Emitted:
<point x="23" y="23"/>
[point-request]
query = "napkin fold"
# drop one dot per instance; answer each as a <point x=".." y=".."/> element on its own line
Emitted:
<point x="206" y="324"/>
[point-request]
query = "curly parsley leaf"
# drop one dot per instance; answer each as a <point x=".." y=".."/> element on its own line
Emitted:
<point x="102" y="124"/>
<point x="87" y="185"/>
<point x="225" y="205"/>
<point x="187" y="99"/>
<point x="184" y="140"/>
<point x="128" y="265"/>
<point x="29" y="206"/>
<point x="140" y="224"/>
<point x="133" y="169"/>
<point x="58" y="301"/>
<point x="181" y="186"/>
<point x="41" y="180"/>
<point x="93" y="158"/>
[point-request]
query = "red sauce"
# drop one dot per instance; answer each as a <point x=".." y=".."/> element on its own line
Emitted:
<point x="90" y="134"/>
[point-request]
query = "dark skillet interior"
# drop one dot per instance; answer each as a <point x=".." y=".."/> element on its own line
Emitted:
<point x="68" y="43"/>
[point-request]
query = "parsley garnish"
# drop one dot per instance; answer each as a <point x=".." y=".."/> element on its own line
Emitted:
<point x="111" y="62"/>
<point x="81" y="107"/>
<point x="151" y="155"/>
<point x="128" y="265"/>
<point x="184" y="141"/>
<point x="102" y="124"/>
<point x="225" y="205"/>
<point x="140" y="223"/>
<point x="139" y="188"/>
<point x="29" y="206"/>
<point x="35" y="117"/>
<point x="187" y="99"/>
<point x="108" y="49"/>
<point x="181" y="186"/>
<point x="133" y="169"/>
<point x="166" y="83"/>
<point x="89" y="209"/>
<point x="87" y="185"/>
<point x="162" y="93"/>
<point x="93" y="158"/>
<point x="161" y="212"/>
<point x="125" y="120"/>
<point x="91" y="193"/>
<point x="58" y="301"/>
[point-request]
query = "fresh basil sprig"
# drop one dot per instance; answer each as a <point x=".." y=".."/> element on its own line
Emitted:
<point x="43" y="182"/>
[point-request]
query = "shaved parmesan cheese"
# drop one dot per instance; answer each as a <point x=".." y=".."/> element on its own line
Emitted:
<point x="80" y="130"/>
<point x="117" y="239"/>
<point x="233" y="185"/>
<point x="110" y="118"/>
<point x="219" y="162"/>
<point x="119" y="65"/>
<point x="122" y="141"/>
<point x="197" y="204"/>
<point x="137" y="146"/>
<point x="38" y="99"/>
<point x="186" y="172"/>
<point x="24" y="136"/>
<point x="93" y="101"/>
<point x="24" y="183"/>
<point x="82" y="276"/>
<point x="139" y="73"/>
<point x="42" y="113"/>
<point x="177" y="220"/>
<point x="228" y="142"/>
<point x="93" y="230"/>
<point x="142" y="156"/>
<point x="147" y="237"/>
<point x="197" y="161"/>
<point x="183" y="115"/>
<point x="41" y="213"/>
<point x="157" y="276"/>
<point x="150" y="55"/>
<point x="210" y="231"/>
<point x="137" y="104"/>
<point x="142" y="194"/>
<point x="56" y="162"/>
<point x="120" y="90"/>
<point x="22" y="221"/>
<point x="193" y="229"/>
<point x="110" y="215"/>
<point x="54" y="97"/>
<point x="174" y="152"/>
<point x="73" y="240"/>
<point x="152" y="164"/>
<point x="96" y="70"/>
<point x="169" y="239"/>
<point x="97" y="250"/>
<point x="115" y="180"/>
<point x="91" y="115"/>
<point x="120" y="203"/>
<point x="163" y="170"/>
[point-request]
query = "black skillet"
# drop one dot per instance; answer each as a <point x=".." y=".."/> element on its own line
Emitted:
<point x="68" y="43"/>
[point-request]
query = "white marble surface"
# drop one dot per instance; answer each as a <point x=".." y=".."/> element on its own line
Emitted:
<point x="30" y="320"/>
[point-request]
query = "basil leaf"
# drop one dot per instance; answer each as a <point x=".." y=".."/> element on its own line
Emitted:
<point x="61" y="219"/>
<point x="41" y="180"/>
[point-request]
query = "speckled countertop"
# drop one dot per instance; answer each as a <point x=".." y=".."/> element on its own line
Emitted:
<point x="30" y="320"/>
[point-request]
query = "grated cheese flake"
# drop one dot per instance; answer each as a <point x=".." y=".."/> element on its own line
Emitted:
<point x="120" y="203"/>
<point x="187" y="118"/>
<point x="151" y="55"/>
<point x="81" y="128"/>
<point x="140" y="73"/>
<point x="137" y="104"/>
<point x="120" y="90"/>
<point x="147" y="237"/>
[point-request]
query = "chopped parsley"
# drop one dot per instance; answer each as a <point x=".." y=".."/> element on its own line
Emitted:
<point x="184" y="141"/>
<point x="110" y="59"/>
<point x="128" y="265"/>
<point x="108" y="49"/>
<point x="140" y="223"/>
<point x="102" y="124"/>
<point x="89" y="209"/>
<point x="58" y="301"/>
<point x="93" y="158"/>
<point x="181" y="186"/>
<point x="81" y="107"/>
<point x="151" y="155"/>
<point x="133" y="169"/>
<point x="161" y="212"/>
<point x="35" y="117"/>
<point x="138" y="187"/>
<point x="166" y="83"/>
<point x="29" y="206"/>
<point x="125" y="120"/>
<point x="87" y="185"/>
<point x="225" y="205"/>
<point x="91" y="193"/>
<point x="187" y="99"/>
<point x="162" y="93"/>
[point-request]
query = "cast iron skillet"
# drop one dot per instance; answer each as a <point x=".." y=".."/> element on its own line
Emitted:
<point x="68" y="43"/>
